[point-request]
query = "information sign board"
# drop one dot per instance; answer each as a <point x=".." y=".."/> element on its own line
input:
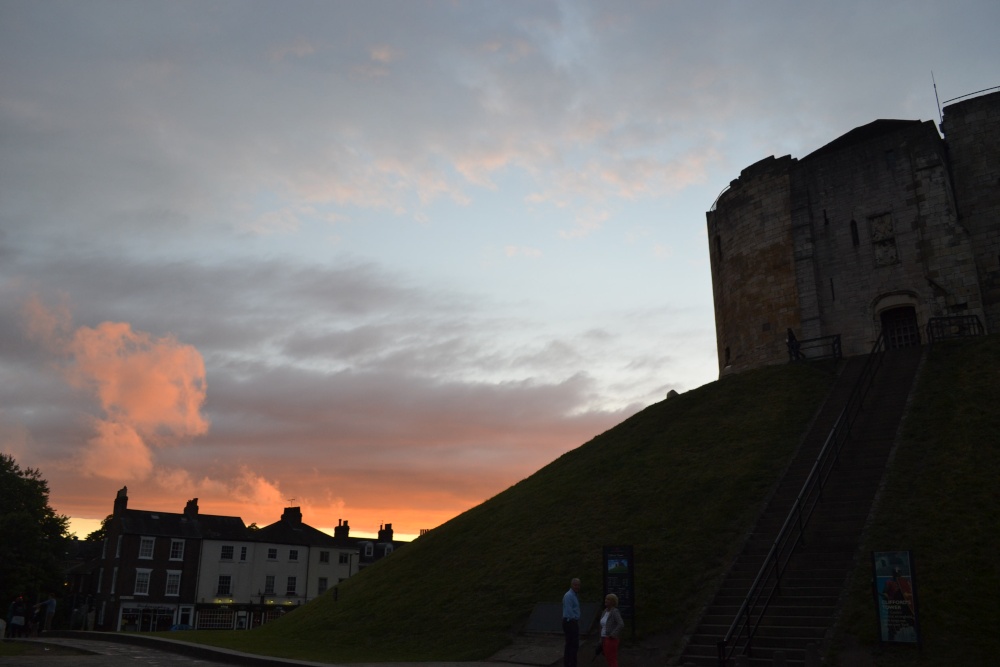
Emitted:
<point x="895" y="590"/>
<point x="619" y="573"/>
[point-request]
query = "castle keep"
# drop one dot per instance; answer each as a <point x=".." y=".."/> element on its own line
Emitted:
<point x="879" y="231"/>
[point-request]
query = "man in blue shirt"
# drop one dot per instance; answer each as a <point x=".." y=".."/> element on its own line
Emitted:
<point x="571" y="622"/>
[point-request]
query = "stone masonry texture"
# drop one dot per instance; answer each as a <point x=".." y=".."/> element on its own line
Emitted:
<point x="889" y="223"/>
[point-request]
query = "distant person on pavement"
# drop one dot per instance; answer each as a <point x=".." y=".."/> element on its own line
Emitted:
<point x="17" y="613"/>
<point x="611" y="629"/>
<point x="49" y="607"/>
<point x="571" y="622"/>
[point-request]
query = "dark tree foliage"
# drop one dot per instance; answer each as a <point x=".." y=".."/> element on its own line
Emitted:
<point x="33" y="538"/>
<point x="99" y="534"/>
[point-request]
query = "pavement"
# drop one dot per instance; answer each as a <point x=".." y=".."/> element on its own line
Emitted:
<point x="93" y="649"/>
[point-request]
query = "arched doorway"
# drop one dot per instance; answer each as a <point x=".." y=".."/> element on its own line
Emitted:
<point x="899" y="326"/>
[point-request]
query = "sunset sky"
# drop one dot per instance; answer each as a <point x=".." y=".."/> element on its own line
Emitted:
<point x="382" y="260"/>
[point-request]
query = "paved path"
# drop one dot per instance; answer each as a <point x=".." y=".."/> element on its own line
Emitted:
<point x="166" y="653"/>
<point x="99" y="654"/>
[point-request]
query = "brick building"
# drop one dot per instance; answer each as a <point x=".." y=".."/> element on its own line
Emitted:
<point x="149" y="565"/>
<point x="877" y="232"/>
<point x="159" y="569"/>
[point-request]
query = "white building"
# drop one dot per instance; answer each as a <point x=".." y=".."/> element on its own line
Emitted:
<point x="243" y="583"/>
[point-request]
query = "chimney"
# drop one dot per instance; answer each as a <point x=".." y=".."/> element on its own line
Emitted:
<point x="191" y="509"/>
<point x="385" y="534"/>
<point x="121" y="501"/>
<point x="342" y="529"/>
<point x="292" y="515"/>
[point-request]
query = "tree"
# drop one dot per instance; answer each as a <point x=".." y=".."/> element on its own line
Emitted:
<point x="34" y="536"/>
<point x="102" y="532"/>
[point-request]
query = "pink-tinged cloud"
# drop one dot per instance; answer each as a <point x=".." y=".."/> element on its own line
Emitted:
<point x="117" y="452"/>
<point x="155" y="385"/>
<point x="150" y="389"/>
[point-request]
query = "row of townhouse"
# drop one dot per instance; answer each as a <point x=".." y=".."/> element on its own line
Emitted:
<point x="159" y="570"/>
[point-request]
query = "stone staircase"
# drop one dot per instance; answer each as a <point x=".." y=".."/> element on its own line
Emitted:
<point x="804" y="608"/>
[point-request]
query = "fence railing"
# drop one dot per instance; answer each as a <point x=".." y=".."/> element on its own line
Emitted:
<point x="815" y="349"/>
<point x="954" y="326"/>
<point x="768" y="580"/>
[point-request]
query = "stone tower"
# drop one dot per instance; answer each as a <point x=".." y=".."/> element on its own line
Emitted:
<point x="876" y="232"/>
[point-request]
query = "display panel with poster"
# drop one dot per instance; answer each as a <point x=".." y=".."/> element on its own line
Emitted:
<point x="619" y="573"/>
<point x="895" y="591"/>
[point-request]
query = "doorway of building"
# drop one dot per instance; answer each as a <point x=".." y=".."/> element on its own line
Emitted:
<point x="899" y="326"/>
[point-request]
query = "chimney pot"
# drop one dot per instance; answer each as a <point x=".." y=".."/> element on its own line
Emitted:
<point x="121" y="501"/>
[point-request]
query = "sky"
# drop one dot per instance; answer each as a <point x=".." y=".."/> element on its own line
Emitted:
<point x="383" y="260"/>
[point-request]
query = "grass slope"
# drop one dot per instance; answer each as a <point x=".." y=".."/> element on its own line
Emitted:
<point x="942" y="501"/>
<point x="681" y="482"/>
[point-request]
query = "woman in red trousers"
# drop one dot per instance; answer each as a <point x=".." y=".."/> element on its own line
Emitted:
<point x="611" y="629"/>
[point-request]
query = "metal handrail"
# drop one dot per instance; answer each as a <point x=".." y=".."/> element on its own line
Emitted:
<point x="759" y="596"/>
<point x="954" y="326"/>
<point x="815" y="349"/>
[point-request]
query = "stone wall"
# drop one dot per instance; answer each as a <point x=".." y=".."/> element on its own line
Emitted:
<point x="884" y="234"/>
<point x="972" y="130"/>
<point x="753" y="273"/>
<point x="887" y="216"/>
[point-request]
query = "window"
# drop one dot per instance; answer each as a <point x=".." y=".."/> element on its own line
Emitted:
<point x="104" y="549"/>
<point x="243" y="553"/>
<point x="345" y="558"/>
<point x="100" y="579"/>
<point x="272" y="554"/>
<point x="388" y="549"/>
<point x="173" y="582"/>
<point x="324" y="556"/>
<point x="884" y="240"/>
<point x="142" y="582"/>
<point x="146" y="547"/>
<point x="369" y="549"/>
<point x="322" y="585"/>
<point x="225" y="585"/>
<point x="855" y="239"/>
<point x="227" y="552"/>
<point x="269" y="585"/>
<point x="176" y="549"/>
<point x="216" y="619"/>
<point x="114" y="580"/>
<point x="293" y="554"/>
<point x="118" y="547"/>
<point x="290" y="589"/>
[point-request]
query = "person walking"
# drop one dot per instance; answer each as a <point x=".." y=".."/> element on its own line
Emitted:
<point x="612" y="625"/>
<point x="49" y="610"/>
<point x="571" y="623"/>
<point x="18" y="612"/>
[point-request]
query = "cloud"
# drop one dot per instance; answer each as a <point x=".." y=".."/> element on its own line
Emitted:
<point x="149" y="389"/>
<point x="303" y="199"/>
<point x="116" y="451"/>
<point x="300" y="48"/>
<point x="522" y="251"/>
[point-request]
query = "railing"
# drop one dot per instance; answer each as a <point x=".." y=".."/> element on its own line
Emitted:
<point x="955" y="326"/>
<point x="815" y="349"/>
<point x="768" y="579"/>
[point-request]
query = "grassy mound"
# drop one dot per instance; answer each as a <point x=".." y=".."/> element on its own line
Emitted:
<point x="942" y="501"/>
<point x="681" y="482"/>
